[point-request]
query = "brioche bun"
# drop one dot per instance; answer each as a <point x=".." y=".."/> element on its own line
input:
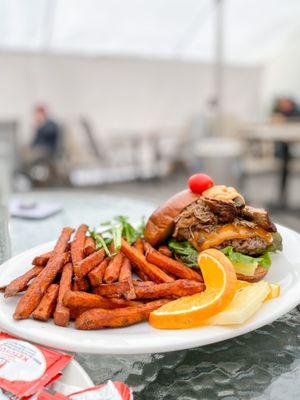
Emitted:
<point x="259" y="274"/>
<point x="160" y="224"/>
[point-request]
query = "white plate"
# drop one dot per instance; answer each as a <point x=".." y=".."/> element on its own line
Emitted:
<point x="74" y="376"/>
<point x="142" y="338"/>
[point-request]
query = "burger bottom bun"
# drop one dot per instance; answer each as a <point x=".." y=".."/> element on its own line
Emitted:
<point x="259" y="274"/>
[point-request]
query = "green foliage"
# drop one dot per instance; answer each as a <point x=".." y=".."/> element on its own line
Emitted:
<point x="114" y="231"/>
<point x="239" y="258"/>
<point x="185" y="252"/>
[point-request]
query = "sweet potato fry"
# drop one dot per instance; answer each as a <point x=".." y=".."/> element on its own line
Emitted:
<point x="141" y="274"/>
<point x="31" y="299"/>
<point x="89" y="300"/>
<point x="126" y="275"/>
<point x="100" y="318"/>
<point x="20" y="283"/>
<point x="35" y="292"/>
<point x="62" y="244"/>
<point x="112" y="271"/>
<point x="41" y="261"/>
<point x="125" y="271"/>
<point x="139" y="245"/>
<point x="169" y="265"/>
<point x="75" y="287"/>
<point x="47" y="305"/>
<point x="96" y="275"/>
<point x="89" y="246"/>
<point x="124" y="302"/>
<point x="77" y="245"/>
<point x="116" y="289"/>
<point x="138" y="260"/>
<point x="75" y="312"/>
<point x="82" y="284"/>
<point x="62" y="313"/>
<point x="77" y="252"/>
<point x="163" y="249"/>
<point x="83" y="267"/>
<point x="142" y="283"/>
<point x="179" y="288"/>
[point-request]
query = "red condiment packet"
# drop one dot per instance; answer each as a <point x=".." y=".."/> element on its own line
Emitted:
<point x="48" y="396"/>
<point x="108" y="391"/>
<point x="26" y="368"/>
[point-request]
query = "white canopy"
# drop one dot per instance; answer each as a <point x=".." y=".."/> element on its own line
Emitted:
<point x="184" y="29"/>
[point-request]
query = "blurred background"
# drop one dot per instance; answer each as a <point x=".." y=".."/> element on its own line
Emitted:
<point x="133" y="96"/>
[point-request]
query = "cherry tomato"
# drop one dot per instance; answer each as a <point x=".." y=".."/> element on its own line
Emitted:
<point x="200" y="182"/>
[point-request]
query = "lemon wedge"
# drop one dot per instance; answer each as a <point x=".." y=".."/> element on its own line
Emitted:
<point x="246" y="302"/>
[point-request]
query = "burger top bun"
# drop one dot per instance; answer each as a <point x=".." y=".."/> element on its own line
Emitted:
<point x="160" y="224"/>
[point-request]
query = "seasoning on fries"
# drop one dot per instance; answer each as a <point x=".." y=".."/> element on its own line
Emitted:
<point x="171" y="266"/>
<point x="179" y="288"/>
<point x="45" y="309"/>
<point x="96" y="275"/>
<point x="87" y="271"/>
<point x="112" y="271"/>
<point x="116" y="289"/>
<point x="83" y="267"/>
<point x="62" y="313"/>
<point x="88" y="301"/>
<point x="35" y="292"/>
<point x="41" y="261"/>
<point x="100" y="318"/>
<point x="20" y="283"/>
<point x="89" y="246"/>
<point x="126" y="275"/>
<point x="139" y="260"/>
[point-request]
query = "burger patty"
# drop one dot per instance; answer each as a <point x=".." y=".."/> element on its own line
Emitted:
<point x="255" y="246"/>
<point x="207" y="215"/>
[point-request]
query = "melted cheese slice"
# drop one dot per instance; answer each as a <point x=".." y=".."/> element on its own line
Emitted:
<point x="229" y="232"/>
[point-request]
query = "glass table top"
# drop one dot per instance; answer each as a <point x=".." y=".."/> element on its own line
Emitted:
<point x="264" y="364"/>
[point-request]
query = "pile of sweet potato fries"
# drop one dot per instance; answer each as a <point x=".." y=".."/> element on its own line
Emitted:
<point x="75" y="281"/>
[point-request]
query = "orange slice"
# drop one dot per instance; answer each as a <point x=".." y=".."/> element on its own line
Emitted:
<point x="190" y="311"/>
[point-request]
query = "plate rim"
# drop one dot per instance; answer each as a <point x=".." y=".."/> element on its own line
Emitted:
<point x="78" y="370"/>
<point x="118" y="348"/>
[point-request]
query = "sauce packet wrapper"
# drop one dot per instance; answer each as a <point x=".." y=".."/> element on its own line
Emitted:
<point x="25" y="368"/>
<point x="108" y="391"/>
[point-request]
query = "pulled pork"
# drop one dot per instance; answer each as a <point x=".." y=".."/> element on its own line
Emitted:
<point x="207" y="214"/>
<point x="197" y="216"/>
<point x="259" y="216"/>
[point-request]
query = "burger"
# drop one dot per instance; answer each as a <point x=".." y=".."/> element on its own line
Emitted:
<point x="217" y="218"/>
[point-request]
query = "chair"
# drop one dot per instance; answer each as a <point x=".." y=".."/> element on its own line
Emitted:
<point x="118" y="156"/>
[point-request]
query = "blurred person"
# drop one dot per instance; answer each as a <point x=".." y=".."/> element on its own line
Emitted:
<point x="46" y="132"/>
<point x="285" y="109"/>
<point x="44" y="146"/>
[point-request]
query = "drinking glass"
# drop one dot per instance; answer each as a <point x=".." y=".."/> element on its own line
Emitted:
<point x="5" y="182"/>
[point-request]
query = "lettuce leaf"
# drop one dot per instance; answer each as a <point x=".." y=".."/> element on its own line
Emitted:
<point x="239" y="258"/>
<point x="277" y="243"/>
<point x="185" y="252"/>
